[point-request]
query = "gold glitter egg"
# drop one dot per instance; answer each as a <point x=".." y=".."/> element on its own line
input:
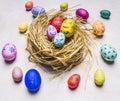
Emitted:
<point x="99" y="77"/>
<point x="98" y="28"/>
<point x="64" y="6"/>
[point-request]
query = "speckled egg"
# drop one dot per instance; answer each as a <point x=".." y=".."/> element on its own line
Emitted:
<point x="64" y="6"/>
<point x="51" y="31"/>
<point x="33" y="80"/>
<point x="108" y="52"/>
<point x="98" y="28"/>
<point x="59" y="39"/>
<point x="68" y="27"/>
<point x="9" y="52"/>
<point x="17" y="74"/>
<point x="105" y="14"/>
<point x="57" y="22"/>
<point x="23" y="26"/>
<point x="37" y="10"/>
<point x="99" y="77"/>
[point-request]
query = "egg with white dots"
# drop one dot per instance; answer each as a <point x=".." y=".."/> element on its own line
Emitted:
<point x="59" y="39"/>
<point x="108" y="52"/>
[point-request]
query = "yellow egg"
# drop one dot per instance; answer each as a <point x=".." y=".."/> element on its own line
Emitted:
<point x="68" y="27"/>
<point x="64" y="6"/>
<point x="99" y="77"/>
<point x="23" y="27"/>
<point x="98" y="28"/>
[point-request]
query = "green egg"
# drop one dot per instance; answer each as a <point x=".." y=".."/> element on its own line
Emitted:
<point x="99" y="77"/>
<point x="108" y="52"/>
<point x="105" y="14"/>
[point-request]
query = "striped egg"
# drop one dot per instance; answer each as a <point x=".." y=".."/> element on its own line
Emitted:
<point x="98" y="28"/>
<point x="99" y="77"/>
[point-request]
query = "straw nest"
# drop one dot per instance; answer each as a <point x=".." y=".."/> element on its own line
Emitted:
<point x="43" y="51"/>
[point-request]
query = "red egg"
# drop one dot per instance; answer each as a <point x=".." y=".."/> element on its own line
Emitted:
<point x="73" y="81"/>
<point x="83" y="13"/>
<point x="57" y="22"/>
<point x="29" y="5"/>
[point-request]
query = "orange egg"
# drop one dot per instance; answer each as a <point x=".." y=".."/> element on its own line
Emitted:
<point x="98" y="28"/>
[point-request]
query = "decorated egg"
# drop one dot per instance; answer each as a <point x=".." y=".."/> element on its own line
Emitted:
<point x="9" y="52"/>
<point x="99" y="77"/>
<point x="32" y="80"/>
<point x="98" y="28"/>
<point x="105" y="14"/>
<point x="17" y="74"/>
<point x="23" y="26"/>
<point x="82" y="13"/>
<point x="37" y="10"/>
<point x="74" y="81"/>
<point x="68" y="27"/>
<point x="29" y="5"/>
<point x="63" y="6"/>
<point x="51" y="31"/>
<point x="108" y="52"/>
<point x="59" y="39"/>
<point x="57" y="22"/>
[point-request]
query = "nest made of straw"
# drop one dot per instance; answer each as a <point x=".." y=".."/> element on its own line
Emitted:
<point x="43" y="51"/>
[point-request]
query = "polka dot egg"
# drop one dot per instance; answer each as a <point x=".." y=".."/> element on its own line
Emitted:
<point x="108" y="52"/>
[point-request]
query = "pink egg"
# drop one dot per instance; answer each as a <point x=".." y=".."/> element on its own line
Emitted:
<point x="9" y="52"/>
<point x="83" y="13"/>
<point x="51" y="31"/>
<point x="17" y="74"/>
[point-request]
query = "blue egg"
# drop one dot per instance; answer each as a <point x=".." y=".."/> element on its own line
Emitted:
<point x="59" y="39"/>
<point x="108" y="52"/>
<point x="32" y="80"/>
<point x="37" y="10"/>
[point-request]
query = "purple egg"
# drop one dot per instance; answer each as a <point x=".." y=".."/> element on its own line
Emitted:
<point x="82" y="13"/>
<point x="51" y="31"/>
<point x="9" y="52"/>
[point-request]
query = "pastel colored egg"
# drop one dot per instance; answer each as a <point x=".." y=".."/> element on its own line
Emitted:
<point x="108" y="52"/>
<point x="57" y="22"/>
<point x="98" y="28"/>
<point x="82" y="13"/>
<point x="59" y="39"/>
<point x="51" y="31"/>
<point x="64" y="6"/>
<point x="17" y="74"/>
<point x="105" y="14"/>
<point x="9" y="52"/>
<point x="32" y="80"/>
<point x="29" y="5"/>
<point x="68" y="27"/>
<point x="74" y="81"/>
<point x="99" y="77"/>
<point x="37" y="10"/>
<point x="23" y="26"/>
